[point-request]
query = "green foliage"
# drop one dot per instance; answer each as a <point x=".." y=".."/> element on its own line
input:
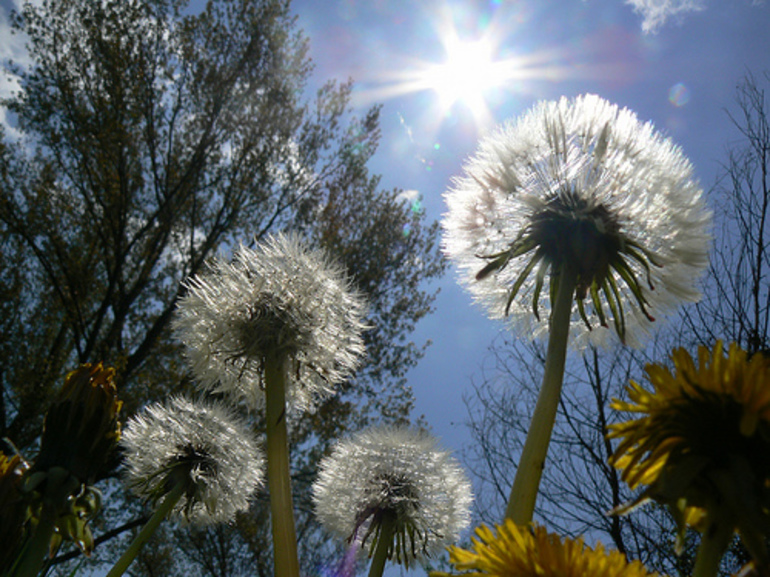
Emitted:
<point x="154" y="137"/>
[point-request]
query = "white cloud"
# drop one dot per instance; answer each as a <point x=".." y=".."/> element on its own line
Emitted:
<point x="657" y="12"/>
<point x="409" y="195"/>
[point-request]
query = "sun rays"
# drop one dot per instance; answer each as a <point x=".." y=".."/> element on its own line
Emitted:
<point x="469" y="73"/>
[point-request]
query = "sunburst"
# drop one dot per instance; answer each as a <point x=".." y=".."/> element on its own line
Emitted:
<point x="469" y="72"/>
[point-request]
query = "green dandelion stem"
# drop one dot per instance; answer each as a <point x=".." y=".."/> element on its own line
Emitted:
<point x="163" y="510"/>
<point x="36" y="551"/>
<point x="60" y="484"/>
<point x="384" y="541"/>
<point x="714" y="542"/>
<point x="278" y="476"/>
<point x="521" y="503"/>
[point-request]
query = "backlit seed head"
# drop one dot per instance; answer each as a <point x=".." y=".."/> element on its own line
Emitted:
<point x="579" y="186"/>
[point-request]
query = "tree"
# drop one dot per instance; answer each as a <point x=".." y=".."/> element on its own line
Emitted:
<point x="579" y="487"/>
<point x="736" y="302"/>
<point x="154" y="136"/>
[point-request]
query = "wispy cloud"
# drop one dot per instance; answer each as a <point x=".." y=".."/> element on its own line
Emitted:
<point x="657" y="12"/>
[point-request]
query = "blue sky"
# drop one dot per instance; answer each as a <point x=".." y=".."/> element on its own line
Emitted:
<point x="674" y="63"/>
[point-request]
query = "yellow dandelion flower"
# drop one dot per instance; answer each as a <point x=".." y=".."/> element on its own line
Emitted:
<point x="77" y="448"/>
<point x="517" y="551"/>
<point x="702" y="442"/>
<point x="81" y="429"/>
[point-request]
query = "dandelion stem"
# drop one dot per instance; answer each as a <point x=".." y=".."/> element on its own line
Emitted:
<point x="36" y="551"/>
<point x="521" y="504"/>
<point x="59" y="486"/>
<point x="714" y="541"/>
<point x="278" y="476"/>
<point x="384" y="541"/>
<point x="347" y="567"/>
<point x="163" y="510"/>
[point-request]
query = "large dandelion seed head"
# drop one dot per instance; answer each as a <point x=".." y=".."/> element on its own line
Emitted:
<point x="393" y="473"/>
<point x="282" y="299"/>
<point x="513" y="550"/>
<point x="584" y="185"/>
<point x="199" y="444"/>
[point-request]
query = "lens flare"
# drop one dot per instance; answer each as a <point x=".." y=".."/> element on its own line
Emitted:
<point x="679" y="95"/>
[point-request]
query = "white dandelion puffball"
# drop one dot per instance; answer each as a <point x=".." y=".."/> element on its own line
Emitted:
<point x="279" y="298"/>
<point x="394" y="472"/>
<point x="200" y="444"/>
<point x="581" y="186"/>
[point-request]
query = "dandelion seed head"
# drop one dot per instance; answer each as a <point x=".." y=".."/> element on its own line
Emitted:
<point x="200" y="444"/>
<point x="584" y="184"/>
<point x="279" y="298"/>
<point x="399" y="472"/>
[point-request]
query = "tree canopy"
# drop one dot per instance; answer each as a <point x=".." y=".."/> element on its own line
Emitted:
<point x="149" y="136"/>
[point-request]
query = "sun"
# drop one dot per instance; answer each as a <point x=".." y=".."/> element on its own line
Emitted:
<point x="464" y="76"/>
<point x="470" y="73"/>
<point x="467" y="74"/>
